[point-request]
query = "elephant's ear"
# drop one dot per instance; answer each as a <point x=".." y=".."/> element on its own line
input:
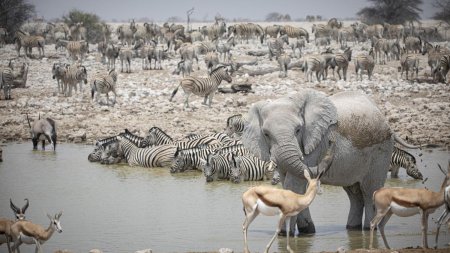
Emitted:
<point x="319" y="114"/>
<point x="252" y="137"/>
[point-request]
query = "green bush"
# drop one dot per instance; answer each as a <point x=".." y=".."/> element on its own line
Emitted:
<point x="13" y="14"/>
<point x="91" y="22"/>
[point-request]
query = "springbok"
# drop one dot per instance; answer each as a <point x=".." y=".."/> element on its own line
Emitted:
<point x="443" y="218"/>
<point x="405" y="202"/>
<point x="272" y="201"/>
<point x="5" y="224"/>
<point x="30" y="233"/>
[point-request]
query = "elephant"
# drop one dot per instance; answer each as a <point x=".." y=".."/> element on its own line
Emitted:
<point x="295" y="132"/>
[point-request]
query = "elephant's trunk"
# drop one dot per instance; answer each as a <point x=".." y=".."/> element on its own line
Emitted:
<point x="289" y="157"/>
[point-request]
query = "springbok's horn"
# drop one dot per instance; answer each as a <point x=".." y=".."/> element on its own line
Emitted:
<point x="441" y="169"/>
<point x="13" y="207"/>
<point x="24" y="208"/>
<point x="28" y="119"/>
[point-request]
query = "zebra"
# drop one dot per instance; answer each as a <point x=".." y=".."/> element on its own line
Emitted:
<point x="250" y="168"/>
<point x="7" y="80"/>
<point x="196" y="36"/>
<point x="345" y="34"/>
<point x="413" y="44"/>
<point x="125" y="33"/>
<point x="235" y="125"/>
<point x="409" y="62"/>
<point x="186" y="159"/>
<point x="334" y="23"/>
<point x="328" y="57"/>
<point x="223" y="138"/>
<point x="386" y="48"/>
<point x="58" y="73"/>
<point x="245" y="31"/>
<point x="394" y="31"/>
<point x="74" y="74"/>
<point x="322" y="41"/>
<point x="402" y="158"/>
<point x="189" y="52"/>
<point x="156" y="136"/>
<point x="276" y="45"/>
<point x="74" y="48"/>
<point x="342" y="60"/>
<point x="28" y="42"/>
<point x="237" y="149"/>
<point x="215" y="166"/>
<point x="225" y="48"/>
<point x="78" y="31"/>
<point x="321" y="30"/>
<point x="435" y="54"/>
<point x="444" y="66"/>
<point x="184" y="67"/>
<point x="203" y="141"/>
<point x="142" y="50"/>
<point x="158" y="54"/>
<point x="272" y="31"/>
<point x="294" y="32"/>
<point x="125" y="55"/>
<point x="216" y="30"/>
<point x="365" y="62"/>
<point x="203" y="86"/>
<point x="104" y="84"/>
<point x="112" y="52"/>
<point x="283" y="60"/>
<point x="99" y="152"/>
<point x="314" y="64"/>
<point x="159" y="156"/>
<point x="101" y="47"/>
<point x="211" y="60"/>
<point x="298" y="43"/>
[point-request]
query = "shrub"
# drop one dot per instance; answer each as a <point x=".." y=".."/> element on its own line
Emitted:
<point x="393" y="12"/>
<point x="90" y="21"/>
<point x="13" y="14"/>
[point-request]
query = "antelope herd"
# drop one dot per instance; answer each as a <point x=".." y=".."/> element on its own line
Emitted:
<point x="221" y="156"/>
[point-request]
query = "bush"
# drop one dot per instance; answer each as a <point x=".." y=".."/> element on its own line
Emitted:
<point x="444" y="10"/>
<point x="277" y="17"/>
<point x="13" y="14"/>
<point x="393" y="12"/>
<point x="90" y="21"/>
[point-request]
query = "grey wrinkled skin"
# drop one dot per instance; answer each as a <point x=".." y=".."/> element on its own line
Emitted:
<point x="295" y="131"/>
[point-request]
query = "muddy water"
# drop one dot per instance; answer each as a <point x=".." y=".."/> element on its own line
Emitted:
<point x="123" y="209"/>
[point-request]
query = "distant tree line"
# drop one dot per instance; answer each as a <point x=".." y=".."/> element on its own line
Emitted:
<point x="277" y="17"/>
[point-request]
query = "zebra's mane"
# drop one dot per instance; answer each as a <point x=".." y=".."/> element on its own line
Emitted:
<point x="406" y="153"/>
<point x="232" y="117"/>
<point x="217" y="69"/>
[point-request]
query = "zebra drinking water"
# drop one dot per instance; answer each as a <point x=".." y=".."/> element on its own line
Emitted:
<point x="250" y="168"/>
<point x="404" y="159"/>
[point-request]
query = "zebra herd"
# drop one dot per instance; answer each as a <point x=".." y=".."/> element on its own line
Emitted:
<point x="219" y="156"/>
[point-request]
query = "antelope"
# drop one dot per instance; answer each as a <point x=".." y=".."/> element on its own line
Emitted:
<point x="43" y="129"/>
<point x="271" y="201"/>
<point x="405" y="202"/>
<point x="443" y="218"/>
<point x="30" y="233"/>
<point x="5" y="224"/>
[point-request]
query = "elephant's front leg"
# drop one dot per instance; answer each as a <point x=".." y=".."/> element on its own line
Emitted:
<point x="303" y="220"/>
<point x="354" y="220"/>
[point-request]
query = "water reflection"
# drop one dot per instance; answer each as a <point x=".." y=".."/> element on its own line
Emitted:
<point x="120" y="209"/>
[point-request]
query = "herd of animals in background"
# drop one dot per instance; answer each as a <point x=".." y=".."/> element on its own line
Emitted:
<point x="222" y="156"/>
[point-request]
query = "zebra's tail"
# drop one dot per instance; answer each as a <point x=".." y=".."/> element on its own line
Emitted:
<point x="174" y="92"/>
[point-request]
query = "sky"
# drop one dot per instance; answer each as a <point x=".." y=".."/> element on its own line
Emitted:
<point x="161" y="10"/>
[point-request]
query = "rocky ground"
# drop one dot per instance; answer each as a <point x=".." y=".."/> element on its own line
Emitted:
<point x="417" y="110"/>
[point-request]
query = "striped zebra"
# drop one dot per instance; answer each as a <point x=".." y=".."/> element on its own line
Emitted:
<point x="216" y="166"/>
<point x="211" y="60"/>
<point x="58" y="73"/>
<point x="316" y="64"/>
<point x="207" y="141"/>
<point x="341" y="61"/>
<point x="386" y="49"/>
<point x="435" y="54"/>
<point x="225" y="48"/>
<point x="137" y="140"/>
<point x="28" y="42"/>
<point x="158" y="54"/>
<point x="156" y="136"/>
<point x="7" y="80"/>
<point x="404" y="159"/>
<point x="101" y="48"/>
<point x="78" y="31"/>
<point x="112" y="52"/>
<point x="394" y="31"/>
<point x="413" y="44"/>
<point x="247" y="31"/>
<point x="103" y="149"/>
<point x="184" y="67"/>
<point x="190" y="52"/>
<point x="103" y="84"/>
<point x="223" y="138"/>
<point x="272" y="31"/>
<point x="74" y="48"/>
<point x="283" y="61"/>
<point x="334" y="23"/>
<point x="159" y="156"/>
<point x="321" y="30"/>
<point x="125" y="33"/>
<point x="125" y="55"/>
<point x="365" y="62"/>
<point x="294" y="32"/>
<point x="299" y="43"/>
<point x="276" y="46"/>
<point x="235" y="125"/>
<point x="216" y="30"/>
<point x="444" y="66"/>
<point x="328" y="56"/>
<point x="203" y="86"/>
<point x="189" y="159"/>
<point x="74" y="74"/>
<point x="250" y="168"/>
<point x="409" y="62"/>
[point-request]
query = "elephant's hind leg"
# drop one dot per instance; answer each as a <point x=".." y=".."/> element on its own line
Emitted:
<point x="355" y="215"/>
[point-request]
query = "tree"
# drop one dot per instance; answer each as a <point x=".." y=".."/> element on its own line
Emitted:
<point x="90" y="21"/>
<point x="444" y="13"/>
<point x="13" y="13"/>
<point x="391" y="11"/>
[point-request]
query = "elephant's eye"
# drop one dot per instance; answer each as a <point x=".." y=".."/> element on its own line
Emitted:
<point x="266" y="133"/>
<point x="297" y="131"/>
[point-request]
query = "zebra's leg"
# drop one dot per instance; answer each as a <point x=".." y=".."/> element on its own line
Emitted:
<point x="121" y="66"/>
<point x="205" y="99"/>
<point x="186" y="101"/>
<point x="344" y="72"/>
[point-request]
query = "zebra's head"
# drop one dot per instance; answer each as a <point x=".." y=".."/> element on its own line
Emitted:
<point x="95" y="156"/>
<point x="209" y="171"/>
<point x="179" y="162"/>
<point x="236" y="173"/>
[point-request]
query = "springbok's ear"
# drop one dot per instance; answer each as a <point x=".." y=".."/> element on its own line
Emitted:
<point x="49" y="216"/>
<point x="59" y="215"/>
<point x="307" y="175"/>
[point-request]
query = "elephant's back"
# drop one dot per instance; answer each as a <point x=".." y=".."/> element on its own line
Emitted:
<point x="360" y="120"/>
